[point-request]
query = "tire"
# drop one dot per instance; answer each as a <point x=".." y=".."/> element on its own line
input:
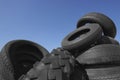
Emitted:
<point x="82" y="38"/>
<point x="1" y="78"/>
<point x="105" y="22"/>
<point x="18" y="56"/>
<point x="59" y="65"/>
<point x="6" y="69"/>
<point x="100" y="55"/>
<point x="108" y="40"/>
<point x="104" y="73"/>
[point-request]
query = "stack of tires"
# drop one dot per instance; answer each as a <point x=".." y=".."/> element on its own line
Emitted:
<point x="90" y="52"/>
<point x="94" y="47"/>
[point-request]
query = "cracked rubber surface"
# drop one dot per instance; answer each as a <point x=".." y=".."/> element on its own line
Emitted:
<point x="59" y="65"/>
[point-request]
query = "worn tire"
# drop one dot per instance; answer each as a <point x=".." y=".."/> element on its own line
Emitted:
<point x="1" y="78"/>
<point x="104" y="73"/>
<point x="105" y="22"/>
<point x="59" y="65"/>
<point x="82" y="38"/>
<point x="108" y="40"/>
<point x="18" y="56"/>
<point x="6" y="70"/>
<point x="102" y="62"/>
<point x="100" y="55"/>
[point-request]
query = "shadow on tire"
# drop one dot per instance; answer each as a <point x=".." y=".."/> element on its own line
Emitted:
<point x="21" y="55"/>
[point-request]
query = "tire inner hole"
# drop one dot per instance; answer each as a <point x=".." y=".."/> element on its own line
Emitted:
<point x="78" y="34"/>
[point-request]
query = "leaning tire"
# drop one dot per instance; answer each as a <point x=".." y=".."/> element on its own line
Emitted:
<point x="105" y="54"/>
<point x="82" y="38"/>
<point x="18" y="56"/>
<point x="105" y="22"/>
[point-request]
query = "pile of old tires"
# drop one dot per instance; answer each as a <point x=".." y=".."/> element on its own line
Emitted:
<point x="94" y="47"/>
<point x="90" y="52"/>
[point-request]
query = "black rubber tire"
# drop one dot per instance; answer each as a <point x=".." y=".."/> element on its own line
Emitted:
<point x="59" y="65"/>
<point x="1" y="78"/>
<point x="18" y="56"/>
<point x="108" y="40"/>
<point x="82" y="38"/>
<point x="100" y="55"/>
<point x="6" y="71"/>
<point x="105" y="22"/>
<point x="104" y="73"/>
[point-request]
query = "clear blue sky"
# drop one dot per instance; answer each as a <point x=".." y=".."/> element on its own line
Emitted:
<point x="47" y="22"/>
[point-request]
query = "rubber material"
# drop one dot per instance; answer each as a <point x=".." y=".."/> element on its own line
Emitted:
<point x="103" y="40"/>
<point x="100" y="55"/>
<point x="1" y="78"/>
<point x="59" y="65"/>
<point x="18" y="56"/>
<point x="108" y="40"/>
<point x="103" y="73"/>
<point x="6" y="69"/>
<point x="82" y="38"/>
<point x="105" y="22"/>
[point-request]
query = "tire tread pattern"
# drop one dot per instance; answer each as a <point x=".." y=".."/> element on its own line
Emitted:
<point x="56" y="66"/>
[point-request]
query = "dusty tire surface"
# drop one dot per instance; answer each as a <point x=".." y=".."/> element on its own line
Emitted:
<point x="18" y="56"/>
<point x="105" y="54"/>
<point x="59" y="65"/>
<point x="82" y="38"/>
<point x="105" y="22"/>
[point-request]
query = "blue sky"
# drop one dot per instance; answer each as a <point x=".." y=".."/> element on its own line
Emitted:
<point x="47" y="22"/>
